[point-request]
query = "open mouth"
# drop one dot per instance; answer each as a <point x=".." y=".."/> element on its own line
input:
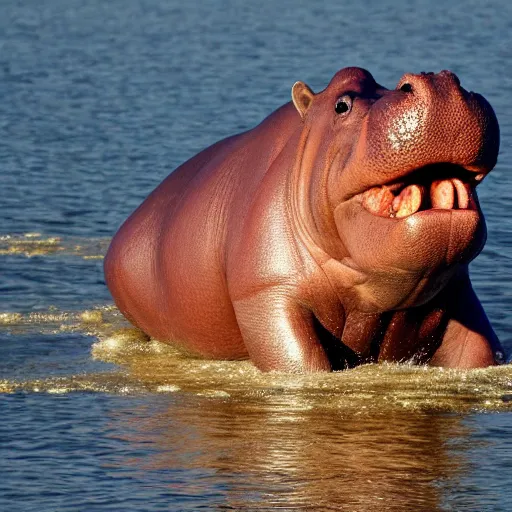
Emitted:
<point x="438" y="186"/>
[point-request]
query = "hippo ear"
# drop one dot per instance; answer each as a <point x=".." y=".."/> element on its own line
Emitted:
<point x="302" y="97"/>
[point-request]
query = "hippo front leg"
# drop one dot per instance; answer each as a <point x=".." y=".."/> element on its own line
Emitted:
<point x="279" y="333"/>
<point x="469" y="340"/>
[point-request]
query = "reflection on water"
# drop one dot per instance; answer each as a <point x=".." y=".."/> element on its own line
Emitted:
<point x="395" y="461"/>
<point x="277" y="452"/>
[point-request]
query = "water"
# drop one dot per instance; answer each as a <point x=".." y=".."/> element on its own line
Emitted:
<point x="99" y="102"/>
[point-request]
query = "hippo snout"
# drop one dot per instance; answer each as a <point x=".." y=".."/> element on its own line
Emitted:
<point x="430" y="118"/>
<point x="426" y="120"/>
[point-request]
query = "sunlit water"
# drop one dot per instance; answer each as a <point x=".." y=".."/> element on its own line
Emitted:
<point x="99" y="102"/>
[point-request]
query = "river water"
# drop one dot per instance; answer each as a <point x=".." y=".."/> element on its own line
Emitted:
<point x="99" y="101"/>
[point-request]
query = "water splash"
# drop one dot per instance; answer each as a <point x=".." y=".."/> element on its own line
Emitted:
<point x="148" y="366"/>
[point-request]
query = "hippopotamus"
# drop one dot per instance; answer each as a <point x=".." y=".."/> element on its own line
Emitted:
<point x="335" y="233"/>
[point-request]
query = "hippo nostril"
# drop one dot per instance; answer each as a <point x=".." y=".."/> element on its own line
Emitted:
<point x="406" y="87"/>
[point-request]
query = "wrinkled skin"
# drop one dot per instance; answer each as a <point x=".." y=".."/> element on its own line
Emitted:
<point x="335" y="233"/>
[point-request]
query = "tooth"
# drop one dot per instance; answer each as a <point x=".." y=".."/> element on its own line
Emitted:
<point x="442" y="194"/>
<point x="377" y="200"/>
<point x="463" y="192"/>
<point x="408" y="202"/>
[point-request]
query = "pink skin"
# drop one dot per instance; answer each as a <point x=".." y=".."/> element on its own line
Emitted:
<point x="337" y="232"/>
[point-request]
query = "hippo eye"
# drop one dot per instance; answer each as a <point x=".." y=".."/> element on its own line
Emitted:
<point x="343" y="104"/>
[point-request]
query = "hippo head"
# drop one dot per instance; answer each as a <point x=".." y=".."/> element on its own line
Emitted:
<point x="396" y="171"/>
